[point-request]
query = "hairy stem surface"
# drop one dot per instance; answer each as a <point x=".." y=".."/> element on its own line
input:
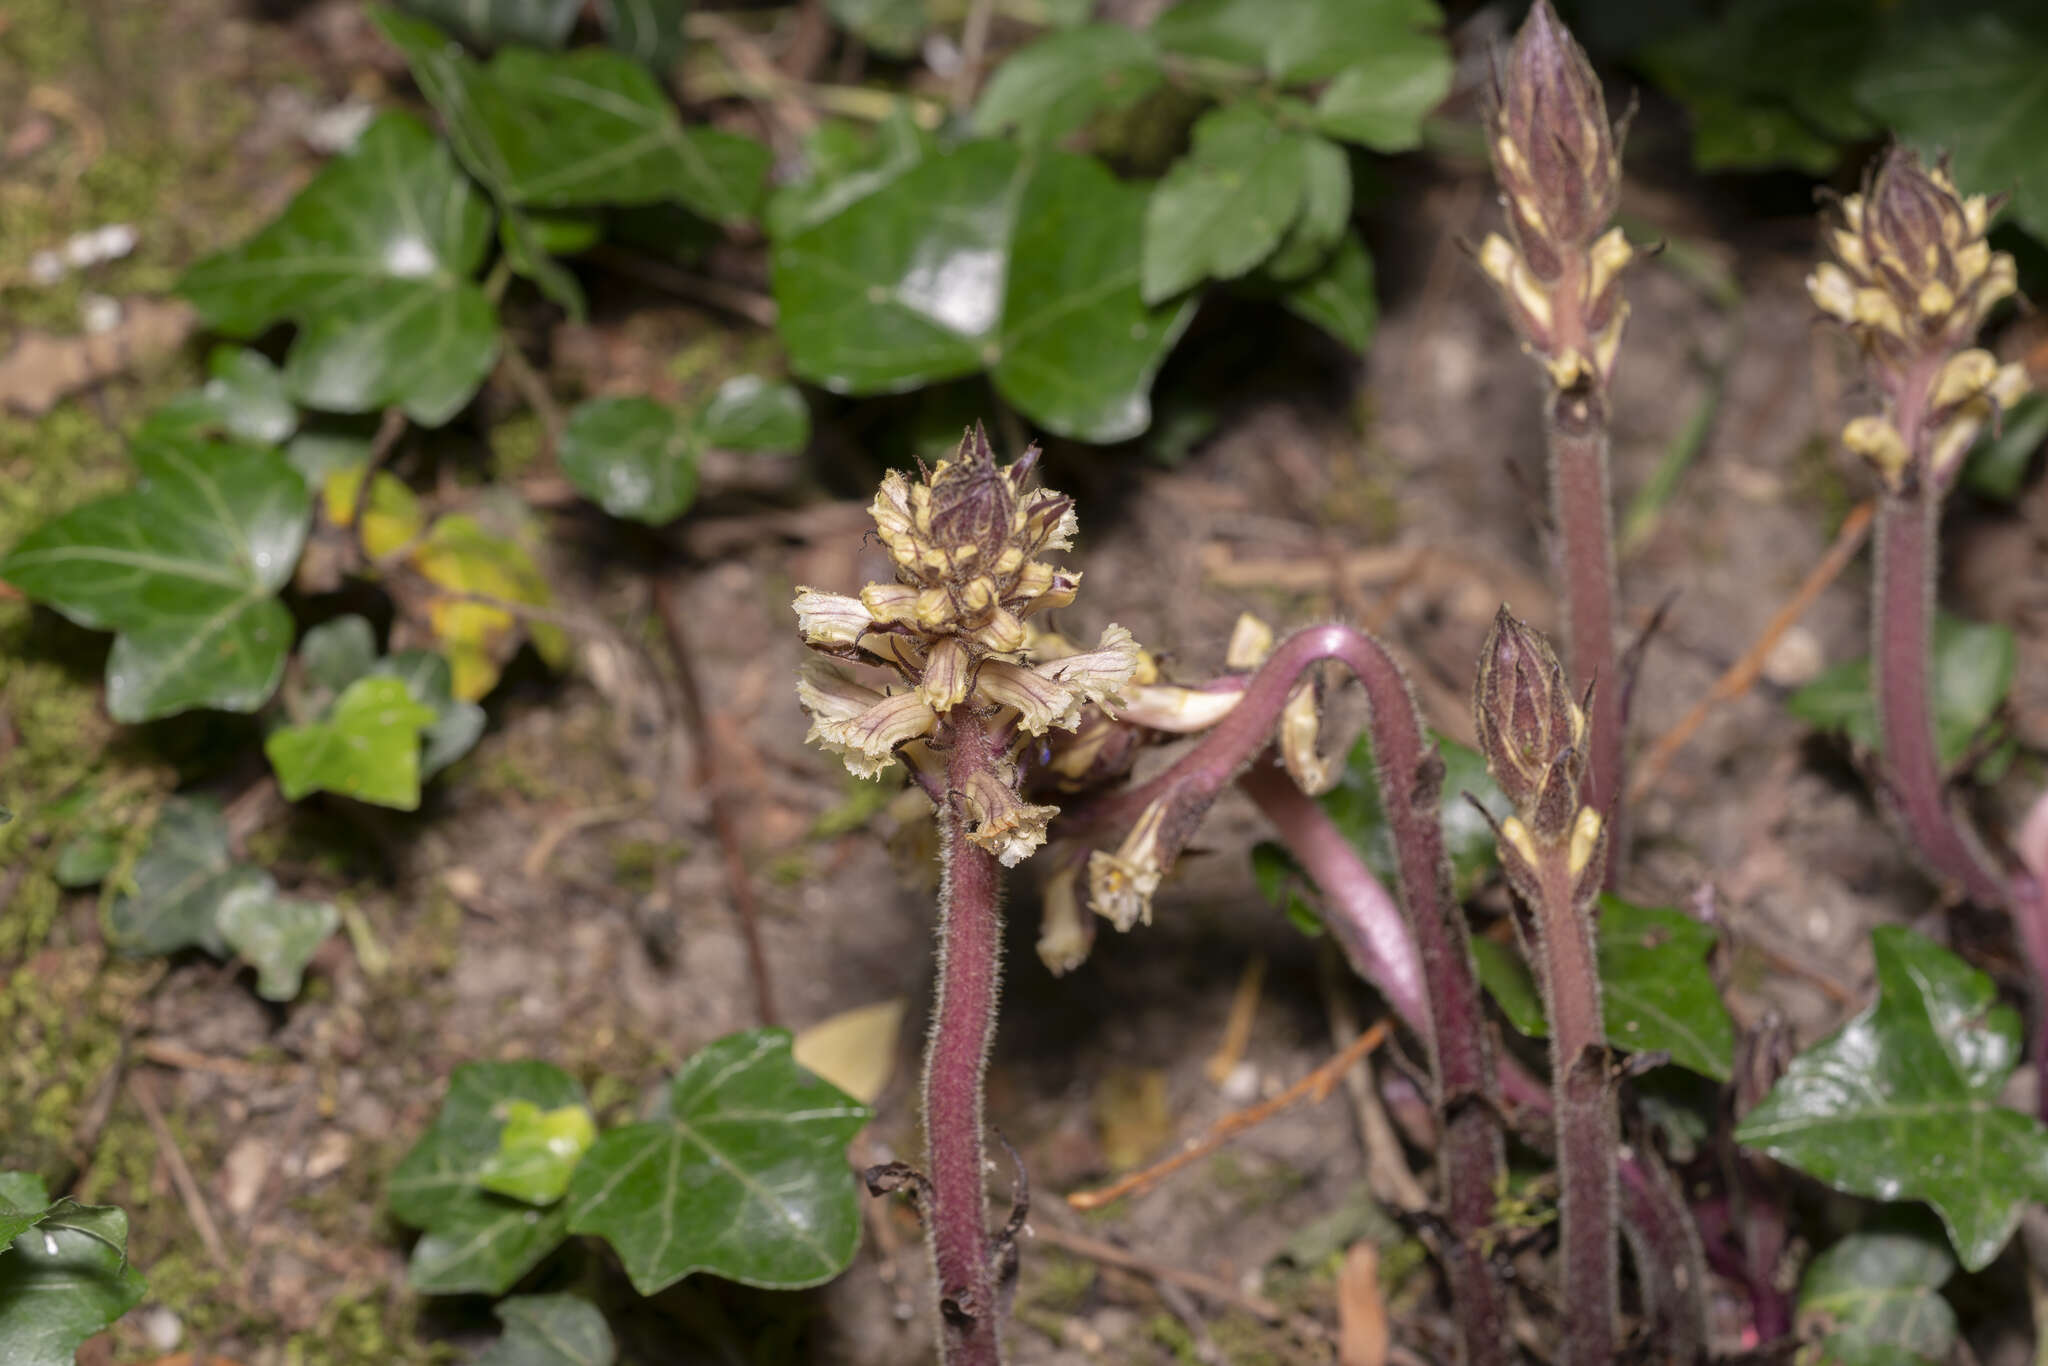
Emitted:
<point x="1580" y="505"/>
<point x="963" y="1027"/>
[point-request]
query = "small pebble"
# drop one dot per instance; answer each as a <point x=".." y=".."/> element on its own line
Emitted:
<point x="161" y="1329"/>
<point x="1795" y="660"/>
<point x="1241" y="1086"/>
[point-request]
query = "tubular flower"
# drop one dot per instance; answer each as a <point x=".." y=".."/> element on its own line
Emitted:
<point x="953" y="628"/>
<point x="1913" y="278"/>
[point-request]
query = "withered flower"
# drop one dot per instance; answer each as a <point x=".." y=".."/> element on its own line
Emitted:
<point x="1913" y="278"/>
<point x="966" y="540"/>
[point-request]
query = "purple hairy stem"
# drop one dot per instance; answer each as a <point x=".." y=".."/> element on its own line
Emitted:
<point x="1361" y="914"/>
<point x="1411" y="779"/>
<point x="963" y="1027"/>
<point x="1585" y="522"/>
<point x="1671" y="1266"/>
<point x="1902" y="627"/>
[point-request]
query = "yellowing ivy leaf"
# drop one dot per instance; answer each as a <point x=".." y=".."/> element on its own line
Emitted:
<point x="478" y="568"/>
<point x="855" y="1050"/>
<point x="391" y="512"/>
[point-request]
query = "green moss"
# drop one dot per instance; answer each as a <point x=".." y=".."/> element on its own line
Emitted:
<point x="1059" y="1283"/>
<point x="636" y="861"/>
<point x="516" y="445"/>
<point x="359" y="1330"/>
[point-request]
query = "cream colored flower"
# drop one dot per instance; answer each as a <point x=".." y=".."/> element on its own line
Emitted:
<point x="1004" y="824"/>
<point x="1120" y="885"/>
<point x="830" y="618"/>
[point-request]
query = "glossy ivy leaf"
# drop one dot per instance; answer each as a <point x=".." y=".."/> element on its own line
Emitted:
<point x="1224" y="207"/>
<point x="1973" y="667"/>
<point x="1354" y="805"/>
<point x="1339" y="296"/>
<point x="473" y="1241"/>
<point x="543" y="23"/>
<point x="1902" y="1102"/>
<point x="276" y="935"/>
<point x="1877" y="1296"/>
<point x="530" y="260"/>
<point x="633" y="457"/>
<point x="893" y="28"/>
<point x="179" y="883"/>
<point x="367" y="747"/>
<point x="1997" y="466"/>
<point x="1381" y="97"/>
<point x="1968" y="82"/>
<point x="741" y="1172"/>
<point x="537" y="1151"/>
<point x="244" y="398"/>
<point x="843" y="164"/>
<point x="1053" y="87"/>
<point x="750" y="413"/>
<point x="327" y="443"/>
<point x="336" y="653"/>
<point x="648" y="31"/>
<point x="64" y="1275"/>
<point x="564" y="130"/>
<point x="982" y="258"/>
<point x="1656" y="993"/>
<point x="476" y="638"/>
<point x="184" y="569"/>
<point x="1325" y="212"/>
<point x="373" y="261"/>
<point x="1291" y="41"/>
<point x="550" y="1330"/>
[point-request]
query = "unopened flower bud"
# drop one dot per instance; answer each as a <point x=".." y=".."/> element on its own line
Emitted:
<point x="1533" y="734"/>
<point x="1553" y="148"/>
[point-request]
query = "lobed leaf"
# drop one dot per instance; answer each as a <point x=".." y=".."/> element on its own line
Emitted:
<point x="373" y="261"/>
<point x="633" y="457"/>
<point x="1877" y="1296"/>
<point x="1224" y="207"/>
<point x="1053" y="87"/>
<point x="1339" y="296"/>
<point x="750" y="413"/>
<point x="274" y="934"/>
<point x="244" y="398"/>
<point x="1902" y="1102"/>
<point x="741" y="1172"/>
<point x="178" y="884"/>
<point x="1292" y="41"/>
<point x="64" y="1281"/>
<point x="550" y="1330"/>
<point x="537" y="1151"/>
<point x="367" y="747"/>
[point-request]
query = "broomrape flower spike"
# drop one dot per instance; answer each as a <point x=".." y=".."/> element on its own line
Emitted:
<point x="1913" y="278"/>
<point x="954" y="630"/>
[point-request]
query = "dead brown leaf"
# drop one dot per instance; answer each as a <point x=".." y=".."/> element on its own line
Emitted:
<point x="44" y="367"/>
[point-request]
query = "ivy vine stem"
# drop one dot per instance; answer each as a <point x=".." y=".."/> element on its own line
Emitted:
<point x="956" y="1060"/>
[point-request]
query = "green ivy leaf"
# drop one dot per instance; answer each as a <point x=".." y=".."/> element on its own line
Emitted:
<point x="184" y="569"/>
<point x="1381" y="98"/>
<point x="366" y="747"/>
<point x="567" y="129"/>
<point x="336" y="653"/>
<point x="981" y="257"/>
<point x="1053" y="87"/>
<point x="845" y="163"/>
<point x="244" y="398"/>
<point x="178" y="884"/>
<point x="1968" y="82"/>
<point x="528" y="256"/>
<point x="544" y="23"/>
<point x="84" y="861"/>
<point x="749" y="413"/>
<point x="1878" y="1297"/>
<point x="1291" y="41"/>
<point x="1354" y="805"/>
<point x="475" y="1242"/>
<point x="1226" y="205"/>
<point x="1340" y="296"/>
<point x="1997" y="466"/>
<point x="1902" y="1102"/>
<point x="1656" y="993"/>
<point x="893" y="28"/>
<point x="63" y="1277"/>
<point x="648" y="31"/>
<point x="550" y="1330"/>
<point x="537" y="1151"/>
<point x="373" y="261"/>
<point x="633" y="457"/>
<point x="741" y="1172"/>
<point x="1973" y="667"/>
<point x="274" y="934"/>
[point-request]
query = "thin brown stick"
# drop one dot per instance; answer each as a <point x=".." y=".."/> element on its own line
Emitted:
<point x="1109" y="1254"/>
<point x="189" y="1193"/>
<point x="1744" y="672"/>
<point x="1315" y="1086"/>
<point x="1237" y="1029"/>
<point x="708" y="777"/>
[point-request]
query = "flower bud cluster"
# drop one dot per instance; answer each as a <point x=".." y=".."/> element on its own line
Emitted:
<point x="1913" y="278"/>
<point x="966" y="540"/>
<point x="1559" y="269"/>
<point x="1535" y="740"/>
